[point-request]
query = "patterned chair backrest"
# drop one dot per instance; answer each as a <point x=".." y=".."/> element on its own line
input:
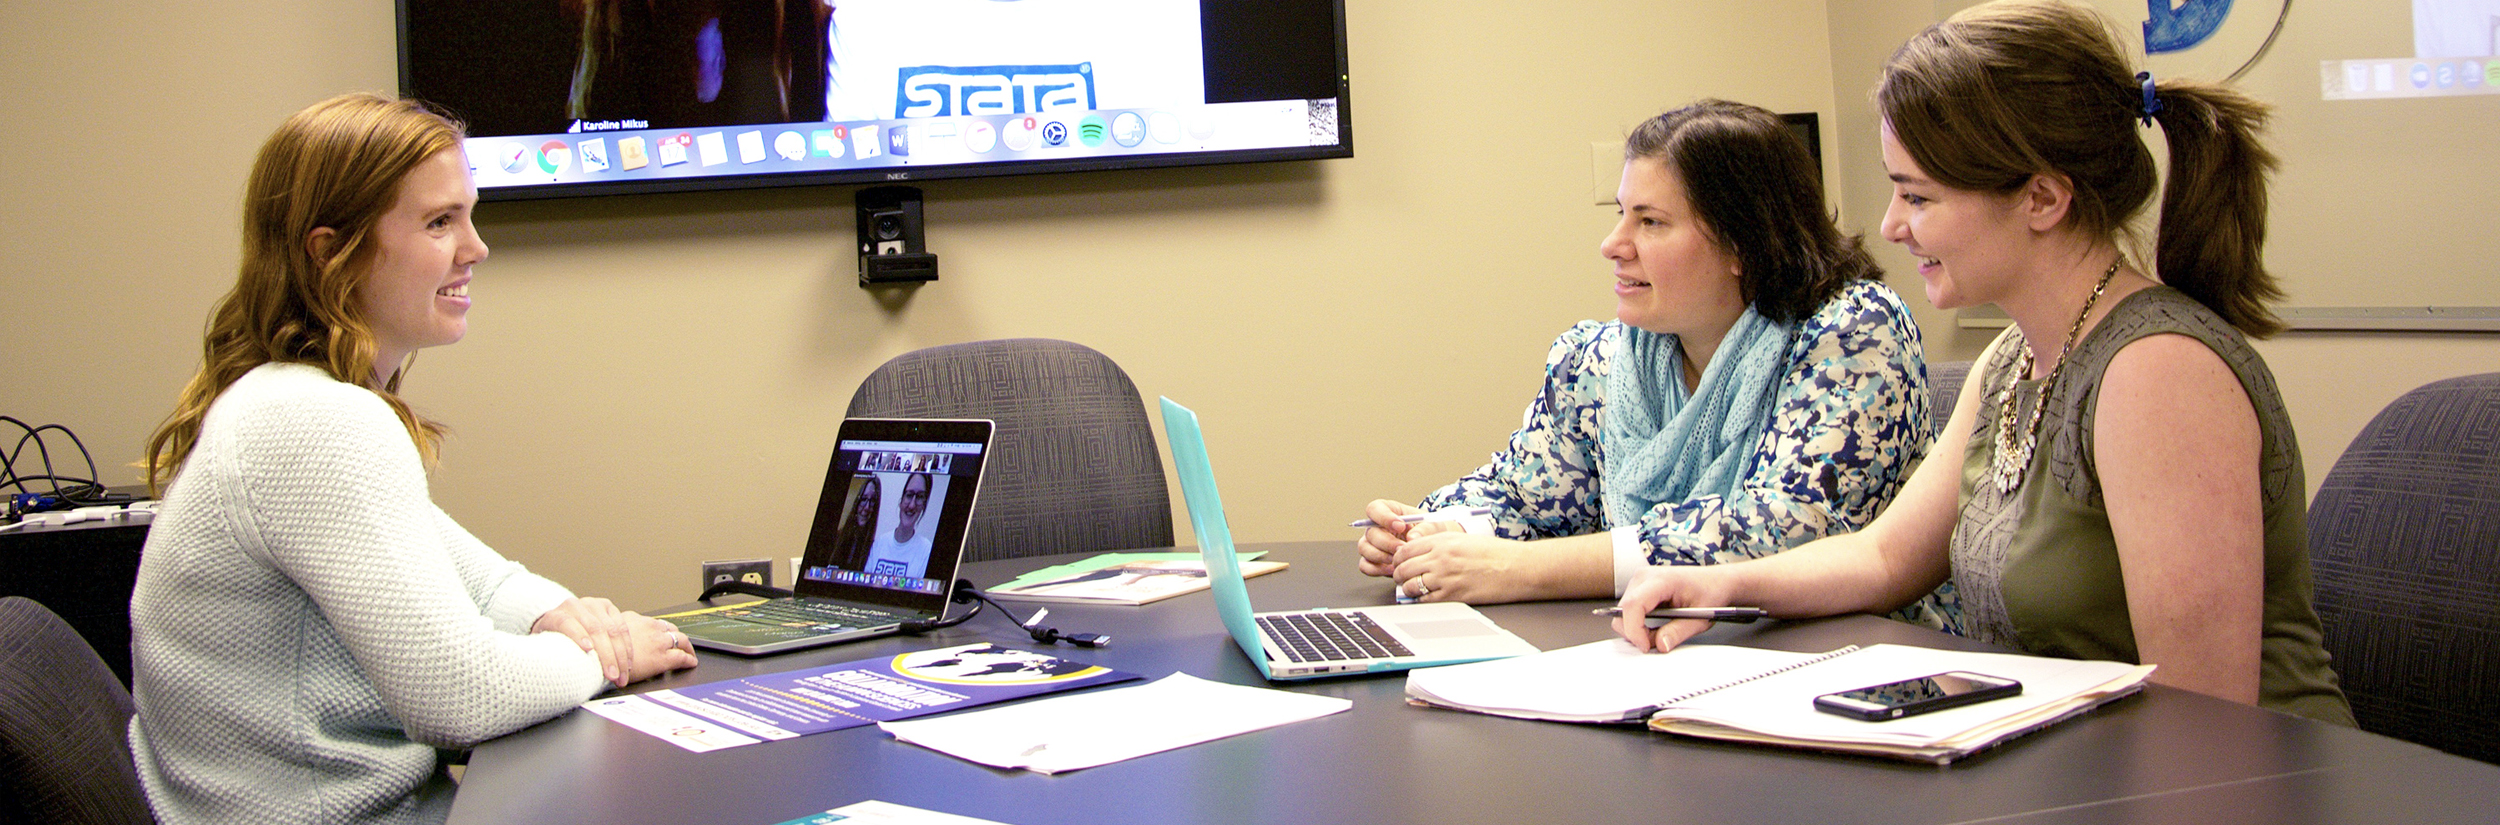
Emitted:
<point x="64" y="717"/>
<point x="2404" y="537"/>
<point x="1944" y="386"/>
<point x="1073" y="467"/>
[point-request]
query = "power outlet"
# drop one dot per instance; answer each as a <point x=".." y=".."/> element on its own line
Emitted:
<point x="751" y="571"/>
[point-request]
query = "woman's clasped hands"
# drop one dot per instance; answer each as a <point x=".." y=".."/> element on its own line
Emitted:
<point x="631" y="646"/>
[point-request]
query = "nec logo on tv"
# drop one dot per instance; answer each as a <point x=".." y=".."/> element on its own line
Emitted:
<point x="949" y="91"/>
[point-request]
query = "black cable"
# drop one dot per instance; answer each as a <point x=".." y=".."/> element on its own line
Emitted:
<point x="743" y="588"/>
<point x="80" y="492"/>
<point x="964" y="592"/>
<point x="82" y="452"/>
<point x="35" y="434"/>
<point x="8" y="463"/>
<point x="2267" y="46"/>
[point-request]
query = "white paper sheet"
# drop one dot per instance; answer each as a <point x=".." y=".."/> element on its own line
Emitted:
<point x="1088" y="729"/>
<point x="873" y="812"/>
<point x="1602" y="681"/>
<point x="671" y="726"/>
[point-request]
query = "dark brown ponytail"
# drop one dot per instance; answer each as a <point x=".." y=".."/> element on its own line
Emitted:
<point x="2008" y="90"/>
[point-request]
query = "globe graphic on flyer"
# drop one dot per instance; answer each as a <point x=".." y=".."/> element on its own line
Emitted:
<point x="989" y="664"/>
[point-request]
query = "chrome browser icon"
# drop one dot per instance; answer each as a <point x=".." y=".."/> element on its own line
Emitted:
<point x="554" y="155"/>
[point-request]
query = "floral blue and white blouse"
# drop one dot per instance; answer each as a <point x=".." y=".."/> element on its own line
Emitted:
<point x="1852" y="419"/>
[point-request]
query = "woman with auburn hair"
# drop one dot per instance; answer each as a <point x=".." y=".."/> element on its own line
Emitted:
<point x="1758" y="388"/>
<point x="311" y="636"/>
<point x="2125" y="482"/>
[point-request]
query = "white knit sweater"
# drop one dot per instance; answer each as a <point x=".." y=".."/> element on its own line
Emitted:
<point x="309" y="628"/>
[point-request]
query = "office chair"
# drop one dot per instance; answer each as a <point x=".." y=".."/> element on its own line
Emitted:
<point x="1073" y="464"/>
<point x="63" y="722"/>
<point x="1944" y="386"/>
<point x="2404" y="538"/>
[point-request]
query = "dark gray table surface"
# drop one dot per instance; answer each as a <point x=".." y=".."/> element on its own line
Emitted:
<point x="2166" y="755"/>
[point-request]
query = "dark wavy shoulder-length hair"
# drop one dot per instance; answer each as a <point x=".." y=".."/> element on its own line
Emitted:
<point x="1754" y="186"/>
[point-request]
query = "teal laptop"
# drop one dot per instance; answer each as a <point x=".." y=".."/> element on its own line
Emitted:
<point x="1330" y="642"/>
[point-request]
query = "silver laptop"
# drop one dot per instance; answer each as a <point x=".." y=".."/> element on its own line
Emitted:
<point x="888" y="535"/>
<point x="1328" y="642"/>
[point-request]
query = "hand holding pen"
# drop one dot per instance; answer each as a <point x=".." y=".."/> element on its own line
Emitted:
<point x="1660" y="616"/>
<point x="1419" y="517"/>
<point x="1388" y="524"/>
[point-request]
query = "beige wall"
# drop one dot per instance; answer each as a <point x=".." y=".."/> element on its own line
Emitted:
<point x="2332" y="382"/>
<point x="653" y="381"/>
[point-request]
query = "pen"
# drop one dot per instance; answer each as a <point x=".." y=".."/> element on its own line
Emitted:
<point x="1660" y="616"/>
<point x="1436" y="515"/>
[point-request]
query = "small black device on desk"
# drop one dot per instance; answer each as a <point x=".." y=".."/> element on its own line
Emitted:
<point x="1911" y="697"/>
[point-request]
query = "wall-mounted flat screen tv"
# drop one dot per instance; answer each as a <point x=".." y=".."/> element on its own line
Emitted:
<point x="598" y="97"/>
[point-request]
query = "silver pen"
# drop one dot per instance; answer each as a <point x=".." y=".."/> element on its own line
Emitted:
<point x="1436" y="515"/>
<point x="1660" y="616"/>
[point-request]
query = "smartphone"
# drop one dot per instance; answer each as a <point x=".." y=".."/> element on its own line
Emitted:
<point x="1910" y="697"/>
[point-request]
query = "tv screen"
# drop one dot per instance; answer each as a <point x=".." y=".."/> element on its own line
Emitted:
<point x="595" y="97"/>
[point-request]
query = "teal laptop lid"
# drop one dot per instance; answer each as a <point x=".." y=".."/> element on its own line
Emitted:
<point x="1215" y="538"/>
<point x="1417" y="635"/>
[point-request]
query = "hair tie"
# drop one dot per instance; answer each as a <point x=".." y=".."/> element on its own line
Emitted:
<point x="2152" y="104"/>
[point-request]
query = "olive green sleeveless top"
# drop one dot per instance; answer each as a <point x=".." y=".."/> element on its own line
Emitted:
<point x="2038" y="570"/>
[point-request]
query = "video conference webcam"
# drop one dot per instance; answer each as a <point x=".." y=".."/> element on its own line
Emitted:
<point x="892" y="245"/>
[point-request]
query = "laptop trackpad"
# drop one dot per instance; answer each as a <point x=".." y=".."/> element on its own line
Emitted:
<point x="1447" y="628"/>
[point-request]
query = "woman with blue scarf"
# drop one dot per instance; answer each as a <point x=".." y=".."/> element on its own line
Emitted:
<point x="1760" y="388"/>
<point x="2119" y="479"/>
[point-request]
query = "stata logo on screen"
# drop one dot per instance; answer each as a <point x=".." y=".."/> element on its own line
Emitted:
<point x="950" y="91"/>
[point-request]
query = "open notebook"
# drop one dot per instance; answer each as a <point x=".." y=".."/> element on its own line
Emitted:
<point x="1767" y="696"/>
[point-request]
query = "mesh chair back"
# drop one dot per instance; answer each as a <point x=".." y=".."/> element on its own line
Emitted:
<point x="64" y="719"/>
<point x="1073" y="466"/>
<point x="2404" y="537"/>
<point x="1944" y="386"/>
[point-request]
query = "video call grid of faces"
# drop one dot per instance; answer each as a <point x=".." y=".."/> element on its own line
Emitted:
<point x="889" y="522"/>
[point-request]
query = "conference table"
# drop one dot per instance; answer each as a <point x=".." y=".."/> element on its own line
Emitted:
<point x="2165" y="755"/>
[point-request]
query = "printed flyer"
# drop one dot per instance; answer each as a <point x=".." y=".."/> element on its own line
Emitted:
<point x="736" y="712"/>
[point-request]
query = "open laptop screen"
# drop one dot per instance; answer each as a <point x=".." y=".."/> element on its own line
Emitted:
<point x="890" y="524"/>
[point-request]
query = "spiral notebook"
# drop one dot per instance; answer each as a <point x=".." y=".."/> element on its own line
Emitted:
<point x="1767" y="696"/>
<point x="1602" y="682"/>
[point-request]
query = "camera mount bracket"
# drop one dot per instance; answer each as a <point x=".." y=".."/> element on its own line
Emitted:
<point x="893" y="247"/>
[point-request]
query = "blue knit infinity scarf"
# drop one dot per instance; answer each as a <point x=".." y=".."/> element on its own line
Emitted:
<point x="1663" y="444"/>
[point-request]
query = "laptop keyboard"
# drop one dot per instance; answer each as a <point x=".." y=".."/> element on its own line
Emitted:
<point x="1331" y="637"/>
<point x="801" y="612"/>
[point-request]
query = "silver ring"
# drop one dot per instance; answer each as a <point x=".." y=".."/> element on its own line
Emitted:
<point x="1422" y="589"/>
<point x="672" y="638"/>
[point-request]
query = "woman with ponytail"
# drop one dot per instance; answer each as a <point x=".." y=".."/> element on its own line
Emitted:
<point x="2124" y="482"/>
<point x="311" y="637"/>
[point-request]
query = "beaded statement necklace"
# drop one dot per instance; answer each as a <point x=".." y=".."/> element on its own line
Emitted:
<point x="2013" y="456"/>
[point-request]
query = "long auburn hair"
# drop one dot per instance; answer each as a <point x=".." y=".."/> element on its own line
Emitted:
<point x="1759" y="193"/>
<point x="2004" y="91"/>
<point x="336" y="164"/>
